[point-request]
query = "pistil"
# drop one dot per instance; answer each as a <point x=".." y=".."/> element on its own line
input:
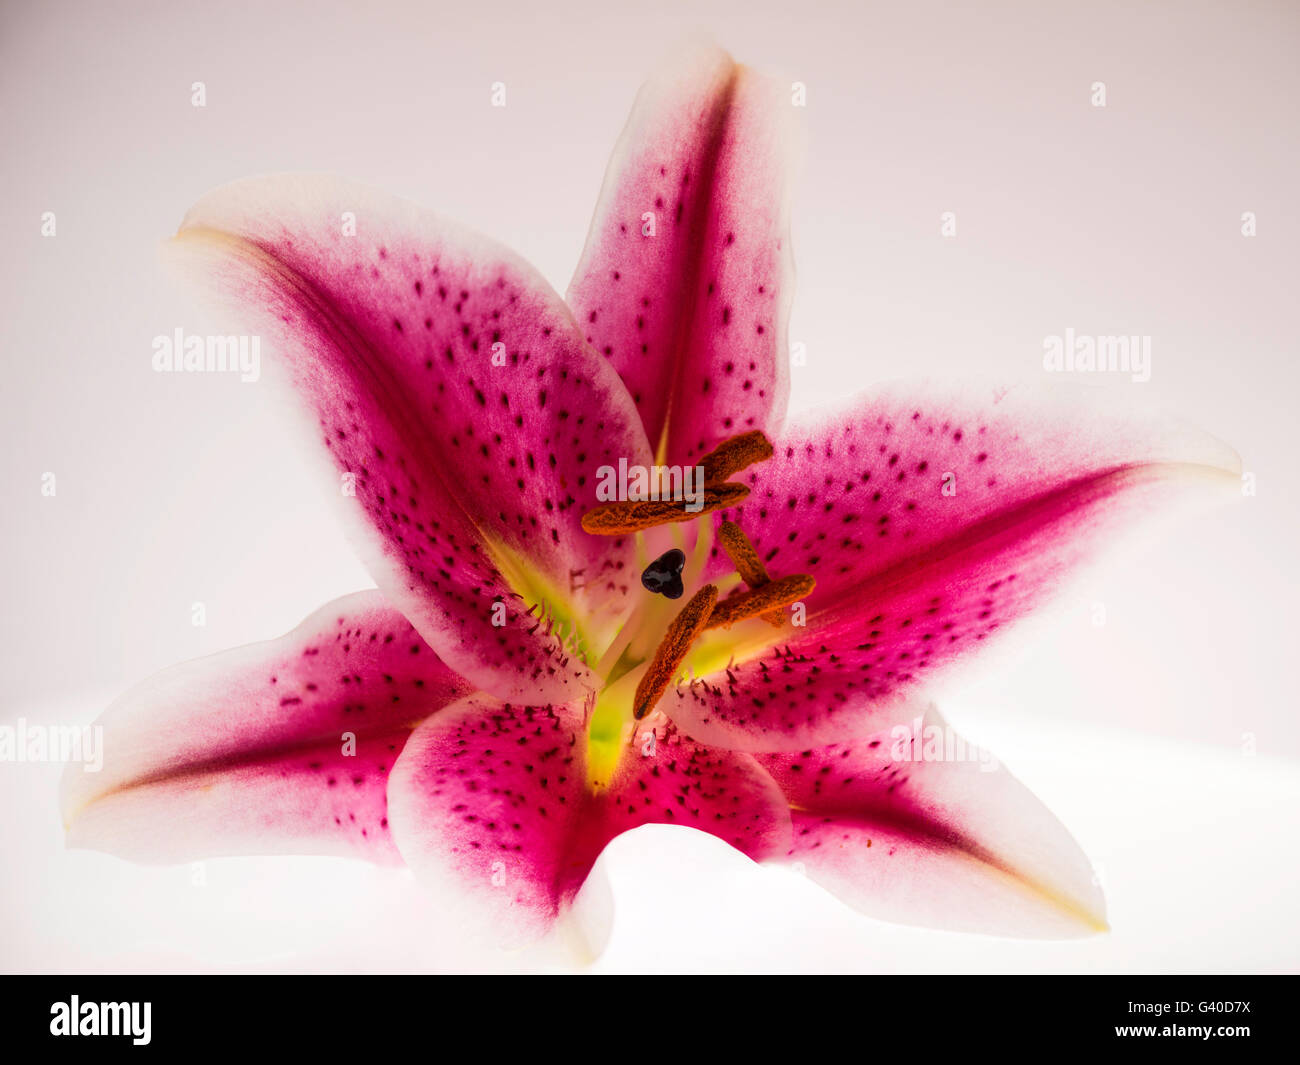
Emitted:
<point x="670" y="654"/>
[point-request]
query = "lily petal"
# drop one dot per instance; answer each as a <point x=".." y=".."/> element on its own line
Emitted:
<point x="491" y="805"/>
<point x="281" y="747"/>
<point x="918" y="827"/>
<point x="454" y="386"/>
<point x="929" y="525"/>
<point x="685" y="282"/>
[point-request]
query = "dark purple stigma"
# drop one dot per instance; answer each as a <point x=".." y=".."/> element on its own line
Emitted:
<point x="664" y="574"/>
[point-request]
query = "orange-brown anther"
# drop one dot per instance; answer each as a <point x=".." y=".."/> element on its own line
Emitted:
<point x="688" y="624"/>
<point x="733" y="455"/>
<point x="747" y="563"/>
<point x="771" y="596"/>
<point x="620" y="518"/>
<point x="742" y="554"/>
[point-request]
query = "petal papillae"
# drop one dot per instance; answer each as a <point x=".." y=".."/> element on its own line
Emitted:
<point x="685" y="282"/>
<point x="493" y="808"/>
<point x="283" y="747"/>
<point x="931" y="524"/>
<point x="914" y="825"/>
<point x="454" y="391"/>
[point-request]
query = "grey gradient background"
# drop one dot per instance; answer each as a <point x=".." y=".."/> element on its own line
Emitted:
<point x="183" y="488"/>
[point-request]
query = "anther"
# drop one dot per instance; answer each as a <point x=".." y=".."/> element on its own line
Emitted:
<point x="629" y="516"/>
<point x="733" y="455"/>
<point x="772" y="596"/>
<point x="669" y="655"/>
<point x="747" y="563"/>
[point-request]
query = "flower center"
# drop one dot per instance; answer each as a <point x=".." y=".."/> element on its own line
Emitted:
<point x="647" y="654"/>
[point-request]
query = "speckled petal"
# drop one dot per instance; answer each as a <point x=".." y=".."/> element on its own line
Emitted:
<point x="914" y="825"/>
<point x="282" y="747"/>
<point x="685" y="283"/>
<point x="452" y="387"/>
<point x="492" y="808"/>
<point x="930" y="524"/>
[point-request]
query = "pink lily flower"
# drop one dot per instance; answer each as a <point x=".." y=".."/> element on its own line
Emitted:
<point x="512" y="698"/>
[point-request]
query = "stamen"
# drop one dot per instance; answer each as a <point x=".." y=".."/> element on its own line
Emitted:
<point x="747" y="563"/>
<point x="672" y="651"/>
<point x="733" y="455"/>
<point x="778" y="593"/>
<point x="629" y="516"/>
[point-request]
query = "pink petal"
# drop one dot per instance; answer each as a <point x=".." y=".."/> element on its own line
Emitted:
<point x="246" y="752"/>
<point x="694" y="317"/>
<point x="956" y="844"/>
<point x="910" y="578"/>
<point x="492" y="808"/>
<point x="471" y="477"/>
